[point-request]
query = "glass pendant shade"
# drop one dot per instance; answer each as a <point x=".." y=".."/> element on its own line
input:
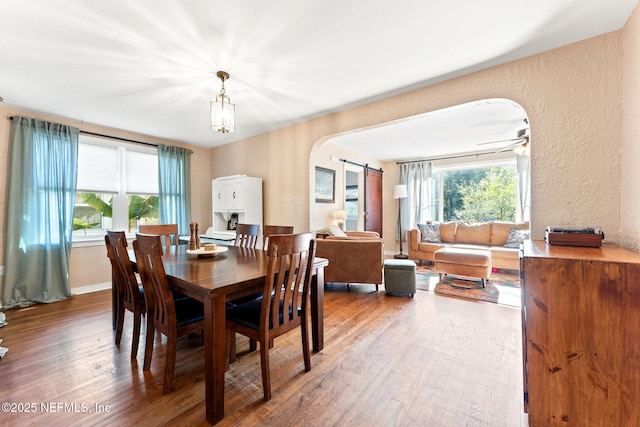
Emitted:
<point x="222" y="114"/>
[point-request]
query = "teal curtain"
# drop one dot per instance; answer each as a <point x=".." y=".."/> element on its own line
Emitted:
<point x="174" y="182"/>
<point x="43" y="167"/>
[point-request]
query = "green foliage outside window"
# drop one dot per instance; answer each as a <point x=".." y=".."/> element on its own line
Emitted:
<point x="140" y="207"/>
<point x="479" y="195"/>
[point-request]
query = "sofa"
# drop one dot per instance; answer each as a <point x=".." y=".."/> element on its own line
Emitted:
<point x="354" y="256"/>
<point x="501" y="238"/>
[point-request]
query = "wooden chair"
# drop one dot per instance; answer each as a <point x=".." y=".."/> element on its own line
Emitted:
<point x="284" y="303"/>
<point x="246" y="235"/>
<point x="270" y="230"/>
<point x="171" y="317"/>
<point x="130" y="295"/>
<point x="168" y="231"/>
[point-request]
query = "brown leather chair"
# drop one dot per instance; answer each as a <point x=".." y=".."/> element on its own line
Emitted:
<point x="170" y="316"/>
<point x="130" y="295"/>
<point x="284" y="305"/>
<point x="356" y="258"/>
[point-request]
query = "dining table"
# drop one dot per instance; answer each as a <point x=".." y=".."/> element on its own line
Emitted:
<point x="214" y="280"/>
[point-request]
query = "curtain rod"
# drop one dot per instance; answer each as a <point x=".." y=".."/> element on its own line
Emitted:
<point x="117" y="138"/>
<point x="433" y="159"/>
<point x="111" y="137"/>
<point x="359" y="164"/>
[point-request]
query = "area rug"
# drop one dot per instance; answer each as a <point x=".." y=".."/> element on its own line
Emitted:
<point x="502" y="287"/>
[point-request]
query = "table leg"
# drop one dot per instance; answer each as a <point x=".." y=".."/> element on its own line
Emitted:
<point x="214" y="358"/>
<point x="317" y="310"/>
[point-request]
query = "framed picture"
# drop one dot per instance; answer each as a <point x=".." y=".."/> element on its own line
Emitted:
<point x="325" y="185"/>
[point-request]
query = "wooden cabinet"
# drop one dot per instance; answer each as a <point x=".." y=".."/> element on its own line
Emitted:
<point x="581" y="335"/>
<point x="239" y="196"/>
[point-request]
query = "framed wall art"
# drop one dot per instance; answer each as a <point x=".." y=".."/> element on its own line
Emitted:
<point x="325" y="185"/>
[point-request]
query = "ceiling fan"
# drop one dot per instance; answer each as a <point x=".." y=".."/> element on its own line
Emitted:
<point x="519" y="144"/>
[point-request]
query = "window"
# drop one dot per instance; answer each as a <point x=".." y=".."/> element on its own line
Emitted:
<point x="117" y="188"/>
<point x="474" y="192"/>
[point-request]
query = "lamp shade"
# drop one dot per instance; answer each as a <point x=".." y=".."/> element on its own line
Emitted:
<point x="400" y="191"/>
<point x="341" y="215"/>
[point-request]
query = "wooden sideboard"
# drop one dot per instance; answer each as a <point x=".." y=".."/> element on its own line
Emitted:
<point x="581" y="335"/>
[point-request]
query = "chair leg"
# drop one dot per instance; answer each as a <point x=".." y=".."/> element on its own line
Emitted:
<point x="148" y="348"/>
<point x="266" y="378"/>
<point x="119" y="323"/>
<point x="170" y="363"/>
<point x="306" y="354"/>
<point x="252" y="345"/>
<point x="137" y="320"/>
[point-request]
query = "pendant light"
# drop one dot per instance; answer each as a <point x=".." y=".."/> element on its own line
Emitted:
<point x="222" y="110"/>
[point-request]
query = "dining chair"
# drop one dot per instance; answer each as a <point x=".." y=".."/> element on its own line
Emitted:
<point x="169" y="232"/>
<point x="170" y="316"/>
<point x="270" y="230"/>
<point x="284" y="303"/>
<point x="130" y="295"/>
<point x="246" y="235"/>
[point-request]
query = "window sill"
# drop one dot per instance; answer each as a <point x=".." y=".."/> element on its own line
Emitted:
<point x="90" y="241"/>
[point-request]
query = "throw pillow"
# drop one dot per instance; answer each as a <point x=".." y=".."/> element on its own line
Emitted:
<point x="516" y="237"/>
<point x="429" y="233"/>
<point x="334" y="230"/>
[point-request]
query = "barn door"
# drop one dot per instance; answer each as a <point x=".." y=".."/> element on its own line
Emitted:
<point x="373" y="200"/>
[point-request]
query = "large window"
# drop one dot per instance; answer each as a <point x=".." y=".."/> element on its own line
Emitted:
<point x="474" y="192"/>
<point x="117" y="188"/>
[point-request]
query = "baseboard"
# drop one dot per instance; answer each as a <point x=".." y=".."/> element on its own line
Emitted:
<point x="91" y="288"/>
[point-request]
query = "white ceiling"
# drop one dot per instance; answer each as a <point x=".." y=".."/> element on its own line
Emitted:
<point x="149" y="66"/>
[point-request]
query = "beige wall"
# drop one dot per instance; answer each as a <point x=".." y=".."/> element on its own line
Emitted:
<point x="89" y="265"/>
<point x="323" y="214"/>
<point x="572" y="95"/>
<point x="630" y="152"/>
<point x="585" y="156"/>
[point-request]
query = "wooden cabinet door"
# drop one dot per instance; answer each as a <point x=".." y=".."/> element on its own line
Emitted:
<point x="551" y="286"/>
<point x="582" y="337"/>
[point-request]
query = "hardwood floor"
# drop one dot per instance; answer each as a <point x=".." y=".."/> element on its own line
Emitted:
<point x="388" y="361"/>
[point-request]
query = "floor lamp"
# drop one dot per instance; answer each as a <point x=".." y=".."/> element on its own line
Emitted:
<point x="400" y="192"/>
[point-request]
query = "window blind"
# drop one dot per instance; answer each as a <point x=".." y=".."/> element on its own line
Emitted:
<point x="98" y="169"/>
<point x="142" y="173"/>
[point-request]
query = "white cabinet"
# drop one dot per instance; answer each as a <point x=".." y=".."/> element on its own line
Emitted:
<point x="236" y="197"/>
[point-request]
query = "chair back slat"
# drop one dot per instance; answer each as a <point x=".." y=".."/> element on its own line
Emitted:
<point x="122" y="268"/>
<point x="168" y="232"/>
<point x="246" y="235"/>
<point x="160" y="303"/>
<point x="288" y="282"/>
<point x="270" y="230"/>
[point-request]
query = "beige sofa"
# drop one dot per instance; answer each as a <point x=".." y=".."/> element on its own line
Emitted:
<point x="355" y="257"/>
<point x="490" y="236"/>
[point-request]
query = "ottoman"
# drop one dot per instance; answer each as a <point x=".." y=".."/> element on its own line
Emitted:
<point x="463" y="262"/>
<point x="400" y="276"/>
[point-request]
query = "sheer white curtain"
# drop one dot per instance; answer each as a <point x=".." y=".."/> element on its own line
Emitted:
<point x="523" y="193"/>
<point x="416" y="207"/>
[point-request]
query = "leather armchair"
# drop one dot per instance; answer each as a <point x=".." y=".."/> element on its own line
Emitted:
<point x="357" y="258"/>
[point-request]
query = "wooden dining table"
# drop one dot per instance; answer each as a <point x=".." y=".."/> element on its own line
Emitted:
<point x="218" y="279"/>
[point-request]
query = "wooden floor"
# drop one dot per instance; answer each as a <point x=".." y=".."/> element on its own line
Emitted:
<point x="387" y="361"/>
